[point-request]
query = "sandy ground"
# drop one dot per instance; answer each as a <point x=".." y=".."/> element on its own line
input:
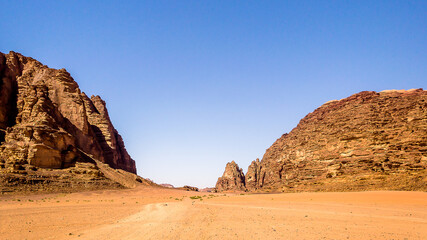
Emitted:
<point x="147" y="213"/>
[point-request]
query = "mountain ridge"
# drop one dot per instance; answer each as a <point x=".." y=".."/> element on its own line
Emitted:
<point x="370" y="140"/>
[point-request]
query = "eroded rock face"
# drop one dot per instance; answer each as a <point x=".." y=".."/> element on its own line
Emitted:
<point x="47" y="122"/>
<point x="109" y="139"/>
<point x="368" y="141"/>
<point x="253" y="175"/>
<point x="233" y="179"/>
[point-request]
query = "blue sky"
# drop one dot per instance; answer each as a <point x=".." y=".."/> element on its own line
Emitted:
<point x="191" y="85"/>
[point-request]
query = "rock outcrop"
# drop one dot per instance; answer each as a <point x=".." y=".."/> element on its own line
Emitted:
<point x="47" y="122"/>
<point x="368" y="141"/>
<point x="252" y="175"/>
<point x="233" y="179"/>
<point x="189" y="188"/>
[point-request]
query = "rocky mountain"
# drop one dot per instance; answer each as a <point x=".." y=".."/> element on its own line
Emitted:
<point x="370" y="140"/>
<point x="47" y="123"/>
<point x="233" y="179"/>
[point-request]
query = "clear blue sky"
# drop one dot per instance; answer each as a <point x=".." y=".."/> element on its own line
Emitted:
<point x="191" y="85"/>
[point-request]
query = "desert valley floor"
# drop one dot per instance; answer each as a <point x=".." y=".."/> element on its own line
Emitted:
<point x="156" y="213"/>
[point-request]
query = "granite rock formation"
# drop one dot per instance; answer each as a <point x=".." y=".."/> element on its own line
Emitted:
<point x="46" y="122"/>
<point x="233" y="179"/>
<point x="368" y="141"/>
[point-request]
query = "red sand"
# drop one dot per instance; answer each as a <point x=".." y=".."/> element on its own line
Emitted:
<point x="151" y="213"/>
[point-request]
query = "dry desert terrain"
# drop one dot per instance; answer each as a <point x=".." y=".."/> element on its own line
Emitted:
<point x="156" y="213"/>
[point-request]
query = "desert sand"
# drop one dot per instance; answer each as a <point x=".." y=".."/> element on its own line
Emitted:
<point x="156" y="213"/>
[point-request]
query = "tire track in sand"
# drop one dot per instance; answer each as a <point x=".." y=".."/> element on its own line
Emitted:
<point x="154" y="221"/>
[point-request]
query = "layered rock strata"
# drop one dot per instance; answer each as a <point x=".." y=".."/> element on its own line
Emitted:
<point x="370" y="140"/>
<point x="47" y="122"/>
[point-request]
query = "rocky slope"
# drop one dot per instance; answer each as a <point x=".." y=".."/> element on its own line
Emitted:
<point x="46" y="122"/>
<point x="370" y="140"/>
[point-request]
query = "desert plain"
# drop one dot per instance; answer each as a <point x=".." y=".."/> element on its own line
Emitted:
<point x="159" y="213"/>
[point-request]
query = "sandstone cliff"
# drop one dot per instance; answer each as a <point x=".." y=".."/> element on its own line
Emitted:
<point x="370" y="140"/>
<point x="252" y="175"/>
<point x="47" y="122"/>
<point x="233" y="179"/>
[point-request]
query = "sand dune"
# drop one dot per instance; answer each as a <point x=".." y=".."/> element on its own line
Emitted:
<point x="151" y="213"/>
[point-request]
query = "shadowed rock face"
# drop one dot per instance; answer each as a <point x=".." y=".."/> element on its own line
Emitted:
<point x="370" y="140"/>
<point x="233" y="179"/>
<point x="47" y="122"/>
